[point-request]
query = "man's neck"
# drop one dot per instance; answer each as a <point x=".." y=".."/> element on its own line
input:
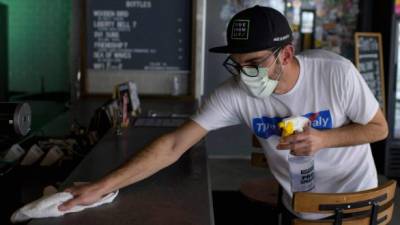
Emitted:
<point x="289" y="77"/>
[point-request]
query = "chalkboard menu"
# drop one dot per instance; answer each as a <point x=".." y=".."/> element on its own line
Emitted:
<point x="368" y="59"/>
<point x="139" y="35"/>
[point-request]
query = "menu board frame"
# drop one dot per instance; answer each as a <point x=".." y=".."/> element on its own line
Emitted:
<point x="378" y="37"/>
<point x="84" y="78"/>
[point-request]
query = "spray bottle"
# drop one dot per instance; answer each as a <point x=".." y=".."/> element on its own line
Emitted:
<point x="301" y="167"/>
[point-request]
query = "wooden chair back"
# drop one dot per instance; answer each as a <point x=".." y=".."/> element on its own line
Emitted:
<point x="370" y="207"/>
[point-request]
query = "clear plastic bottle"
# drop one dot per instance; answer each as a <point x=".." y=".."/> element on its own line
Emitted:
<point x="301" y="173"/>
<point x="176" y="86"/>
<point x="301" y="167"/>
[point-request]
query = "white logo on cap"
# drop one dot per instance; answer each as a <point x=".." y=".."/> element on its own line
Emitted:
<point x="240" y="30"/>
<point x="282" y="38"/>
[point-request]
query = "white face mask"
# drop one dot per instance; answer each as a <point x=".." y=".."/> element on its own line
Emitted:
<point x="260" y="86"/>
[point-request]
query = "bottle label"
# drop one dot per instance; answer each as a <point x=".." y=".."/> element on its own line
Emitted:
<point x="301" y="173"/>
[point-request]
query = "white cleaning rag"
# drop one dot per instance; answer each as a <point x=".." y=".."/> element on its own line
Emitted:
<point x="47" y="206"/>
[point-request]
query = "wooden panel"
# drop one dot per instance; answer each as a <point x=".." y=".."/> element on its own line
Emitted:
<point x="310" y="202"/>
<point x="255" y="141"/>
<point x="353" y="221"/>
<point x="263" y="190"/>
<point x="258" y="160"/>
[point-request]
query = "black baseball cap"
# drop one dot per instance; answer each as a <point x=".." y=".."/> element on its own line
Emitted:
<point x="255" y="29"/>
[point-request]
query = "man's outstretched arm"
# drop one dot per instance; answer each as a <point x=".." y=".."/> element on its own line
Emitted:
<point x="159" y="154"/>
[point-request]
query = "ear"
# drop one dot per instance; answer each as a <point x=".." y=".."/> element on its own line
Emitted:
<point x="287" y="54"/>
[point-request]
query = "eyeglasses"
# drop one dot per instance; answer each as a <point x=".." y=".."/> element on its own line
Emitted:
<point x="251" y="70"/>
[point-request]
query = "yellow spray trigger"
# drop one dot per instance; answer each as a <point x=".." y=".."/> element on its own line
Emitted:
<point x="292" y="124"/>
<point x="287" y="128"/>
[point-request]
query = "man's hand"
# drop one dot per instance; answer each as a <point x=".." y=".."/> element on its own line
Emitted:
<point x="83" y="195"/>
<point x="307" y="142"/>
<point x="311" y="140"/>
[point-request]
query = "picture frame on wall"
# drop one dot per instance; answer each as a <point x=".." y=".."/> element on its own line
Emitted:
<point x="369" y="61"/>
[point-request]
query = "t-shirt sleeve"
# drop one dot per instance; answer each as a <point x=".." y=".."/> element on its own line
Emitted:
<point x="217" y="110"/>
<point x="359" y="103"/>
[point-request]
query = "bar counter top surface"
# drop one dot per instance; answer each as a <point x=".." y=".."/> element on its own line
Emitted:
<point x="179" y="194"/>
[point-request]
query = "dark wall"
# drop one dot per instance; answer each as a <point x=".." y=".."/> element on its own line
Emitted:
<point x="231" y="141"/>
<point x="377" y="16"/>
<point x="382" y="22"/>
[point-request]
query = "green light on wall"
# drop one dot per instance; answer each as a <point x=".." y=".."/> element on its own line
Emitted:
<point x="3" y="53"/>
<point x="38" y="45"/>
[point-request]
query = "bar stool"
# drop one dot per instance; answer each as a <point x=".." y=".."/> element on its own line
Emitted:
<point x="264" y="192"/>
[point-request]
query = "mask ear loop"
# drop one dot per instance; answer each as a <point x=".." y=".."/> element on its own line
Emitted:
<point x="276" y="59"/>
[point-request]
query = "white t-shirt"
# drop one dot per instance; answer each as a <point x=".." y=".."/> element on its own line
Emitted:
<point x="329" y="85"/>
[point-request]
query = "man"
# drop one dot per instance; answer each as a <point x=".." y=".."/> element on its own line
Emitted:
<point x="270" y="83"/>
